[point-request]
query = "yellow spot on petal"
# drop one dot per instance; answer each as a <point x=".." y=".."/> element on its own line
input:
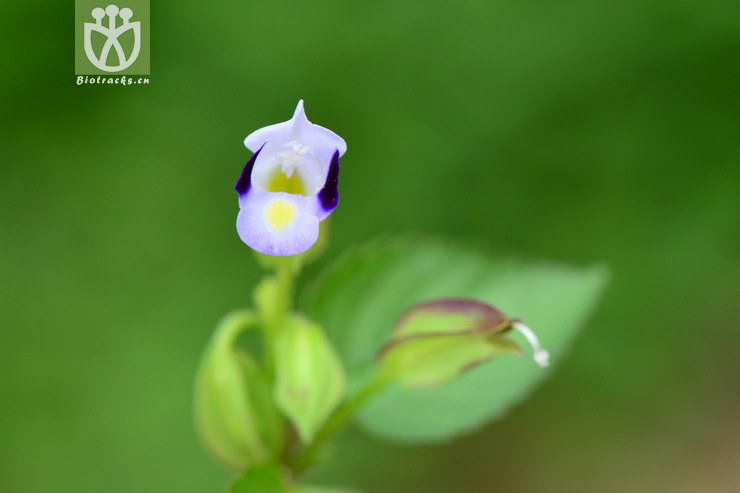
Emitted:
<point x="280" y="214"/>
<point x="281" y="183"/>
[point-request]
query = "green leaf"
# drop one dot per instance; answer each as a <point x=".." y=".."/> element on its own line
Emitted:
<point x="234" y="414"/>
<point x="360" y="298"/>
<point x="310" y="380"/>
<point x="261" y="479"/>
<point x="268" y="479"/>
<point x="322" y="489"/>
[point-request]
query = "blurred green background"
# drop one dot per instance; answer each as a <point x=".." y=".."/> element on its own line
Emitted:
<point x="576" y="131"/>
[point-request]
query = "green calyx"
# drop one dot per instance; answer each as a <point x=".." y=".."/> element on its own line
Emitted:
<point x="309" y="378"/>
<point x="436" y="341"/>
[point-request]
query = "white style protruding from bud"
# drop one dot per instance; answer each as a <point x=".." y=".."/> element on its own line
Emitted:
<point x="541" y="356"/>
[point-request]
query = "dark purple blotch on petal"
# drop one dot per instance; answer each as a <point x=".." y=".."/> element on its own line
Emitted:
<point x="245" y="180"/>
<point x="329" y="195"/>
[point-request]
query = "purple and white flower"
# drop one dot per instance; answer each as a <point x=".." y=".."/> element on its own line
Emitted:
<point x="289" y="185"/>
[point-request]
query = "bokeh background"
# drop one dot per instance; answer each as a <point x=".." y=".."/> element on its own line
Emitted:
<point x="577" y="131"/>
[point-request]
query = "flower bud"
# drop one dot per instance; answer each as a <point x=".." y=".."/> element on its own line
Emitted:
<point x="437" y="341"/>
<point x="310" y="381"/>
<point x="234" y="414"/>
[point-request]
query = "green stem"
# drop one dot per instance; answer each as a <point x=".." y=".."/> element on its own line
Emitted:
<point x="284" y="274"/>
<point x="285" y="277"/>
<point x="231" y="326"/>
<point x="336" y="422"/>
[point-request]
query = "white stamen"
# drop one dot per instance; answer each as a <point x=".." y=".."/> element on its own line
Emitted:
<point x="299" y="148"/>
<point x="289" y="160"/>
<point x="541" y="356"/>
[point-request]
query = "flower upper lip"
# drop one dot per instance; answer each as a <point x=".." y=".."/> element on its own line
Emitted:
<point x="297" y="125"/>
<point x="295" y="146"/>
